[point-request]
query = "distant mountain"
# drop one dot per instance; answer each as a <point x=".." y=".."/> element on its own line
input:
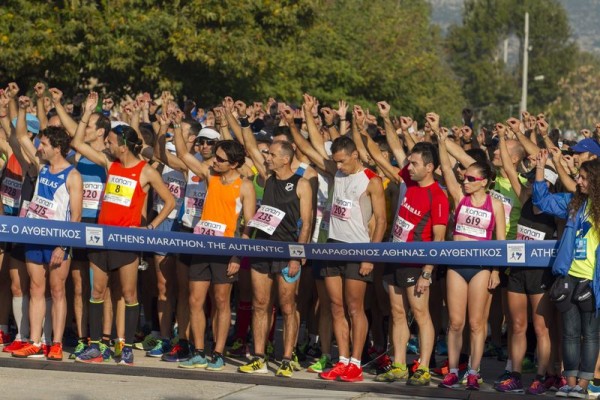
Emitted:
<point x="583" y="18"/>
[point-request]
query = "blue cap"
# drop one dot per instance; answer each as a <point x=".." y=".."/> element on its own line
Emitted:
<point x="586" y="145"/>
<point x="33" y="124"/>
<point x="287" y="278"/>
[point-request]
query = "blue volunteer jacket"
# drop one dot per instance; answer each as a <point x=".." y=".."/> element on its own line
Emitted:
<point x="558" y="205"/>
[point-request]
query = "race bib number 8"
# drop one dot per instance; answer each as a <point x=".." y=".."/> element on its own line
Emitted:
<point x="267" y="219"/>
<point x="119" y="190"/>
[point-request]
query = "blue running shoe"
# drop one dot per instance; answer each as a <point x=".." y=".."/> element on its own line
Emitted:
<point x="163" y="346"/>
<point x="217" y="363"/>
<point x="126" y="356"/>
<point x="412" y="346"/>
<point x="106" y="353"/>
<point x="91" y="355"/>
<point x="593" y="391"/>
<point x="197" y="361"/>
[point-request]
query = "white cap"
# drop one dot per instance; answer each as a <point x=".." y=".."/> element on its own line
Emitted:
<point x="170" y="147"/>
<point x="209" y="133"/>
<point x="114" y="124"/>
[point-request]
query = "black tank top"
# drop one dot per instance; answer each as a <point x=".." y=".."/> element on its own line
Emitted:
<point x="282" y="194"/>
<point x="540" y="222"/>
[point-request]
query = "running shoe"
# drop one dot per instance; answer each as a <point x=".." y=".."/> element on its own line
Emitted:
<point x="29" y="351"/>
<point x="332" y="374"/>
<point x="314" y="351"/>
<point x="555" y="382"/>
<point x="419" y="378"/>
<point x="450" y="381"/>
<point x="511" y="385"/>
<point x="91" y="355"/>
<point x="4" y="338"/>
<point x="473" y="381"/>
<point x="15" y="345"/>
<point x="285" y="370"/>
<point x="301" y="350"/>
<point x="238" y="349"/>
<point x="119" y="344"/>
<point x="55" y="353"/>
<point x="536" y="387"/>
<point x="374" y="352"/>
<point x="463" y="374"/>
<point x="505" y="375"/>
<point x="196" y="361"/>
<point x="353" y="373"/>
<point x="126" y="356"/>
<point x="216" y="363"/>
<point x="320" y="365"/>
<point x="81" y="346"/>
<point x="163" y="346"/>
<point x="412" y="347"/>
<point x="179" y="352"/>
<point x="147" y="344"/>
<point x="295" y="363"/>
<point x="593" y="391"/>
<point x="578" y="392"/>
<point x="444" y="369"/>
<point x="380" y="365"/>
<point x="256" y="366"/>
<point x="393" y="375"/>
<point x="564" y="391"/>
<point x="106" y="353"/>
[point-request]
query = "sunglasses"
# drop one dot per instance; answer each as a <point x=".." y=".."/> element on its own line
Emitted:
<point x="221" y="160"/>
<point x="120" y="130"/>
<point x="202" y="142"/>
<point x="471" y="179"/>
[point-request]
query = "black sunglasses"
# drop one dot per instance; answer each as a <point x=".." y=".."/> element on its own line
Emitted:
<point x="221" y="160"/>
<point x="202" y="142"/>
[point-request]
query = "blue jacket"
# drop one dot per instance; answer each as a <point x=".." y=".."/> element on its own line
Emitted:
<point x="558" y="205"/>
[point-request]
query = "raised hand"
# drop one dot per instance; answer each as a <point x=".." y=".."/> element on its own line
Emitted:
<point x="24" y="102"/>
<point x="39" y="89"/>
<point x="384" y="109"/>
<point x="91" y="102"/>
<point x="434" y="121"/>
<point x="342" y="109"/>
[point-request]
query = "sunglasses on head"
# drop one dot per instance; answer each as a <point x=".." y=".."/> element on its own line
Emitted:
<point x="120" y="130"/>
<point x="220" y="159"/>
<point x="471" y="179"/>
<point x="202" y="142"/>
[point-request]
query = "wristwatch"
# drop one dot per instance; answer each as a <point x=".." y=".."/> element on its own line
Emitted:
<point x="64" y="248"/>
<point x="426" y="275"/>
<point x="149" y="226"/>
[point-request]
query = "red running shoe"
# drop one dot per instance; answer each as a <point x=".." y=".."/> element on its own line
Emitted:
<point x="353" y="374"/>
<point x="14" y="346"/>
<point x="338" y="369"/>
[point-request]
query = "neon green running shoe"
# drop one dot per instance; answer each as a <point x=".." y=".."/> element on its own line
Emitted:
<point x="285" y="370"/>
<point x="321" y="364"/>
<point x="393" y="375"/>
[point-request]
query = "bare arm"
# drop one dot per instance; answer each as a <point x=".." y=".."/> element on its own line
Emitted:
<point x="40" y="88"/>
<point x="568" y="182"/>
<point x="507" y="165"/>
<point x="65" y="118"/>
<point x="151" y="177"/>
<point x="21" y="130"/>
<point x="191" y="162"/>
<point x="454" y="188"/>
<point x="377" y="197"/>
<point x="304" y="192"/>
<point x="78" y="142"/>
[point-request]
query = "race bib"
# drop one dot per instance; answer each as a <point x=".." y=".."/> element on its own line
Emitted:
<point x="267" y="219"/>
<point x="194" y="204"/>
<point x="176" y="189"/>
<point x="525" y="233"/>
<point x="323" y="215"/>
<point x="24" y="209"/>
<point x="473" y="222"/>
<point x="10" y="191"/>
<point x="41" y="208"/>
<point x="341" y="209"/>
<point x="91" y="195"/>
<point x="402" y="229"/>
<point x="119" y="190"/>
<point x="506" y="202"/>
<point x="210" y="228"/>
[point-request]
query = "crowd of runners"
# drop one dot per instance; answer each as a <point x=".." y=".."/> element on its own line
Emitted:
<point x="306" y="173"/>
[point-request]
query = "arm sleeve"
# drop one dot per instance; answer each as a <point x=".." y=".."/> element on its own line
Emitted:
<point x="553" y="204"/>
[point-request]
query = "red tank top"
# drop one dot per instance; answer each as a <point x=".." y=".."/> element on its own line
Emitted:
<point x="124" y="197"/>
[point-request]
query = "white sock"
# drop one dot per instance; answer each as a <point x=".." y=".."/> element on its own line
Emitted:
<point x="355" y="361"/>
<point x="344" y="360"/>
<point x="472" y="372"/>
<point x="20" y="306"/>
<point x="509" y="366"/>
<point x="454" y="371"/>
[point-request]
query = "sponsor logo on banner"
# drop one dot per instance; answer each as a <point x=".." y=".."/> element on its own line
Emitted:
<point x="515" y="253"/>
<point x="94" y="236"/>
<point x="297" y="250"/>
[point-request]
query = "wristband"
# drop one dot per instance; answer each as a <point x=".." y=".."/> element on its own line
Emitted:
<point x="342" y="119"/>
<point x="176" y="126"/>
<point x="329" y="125"/>
<point x="85" y="122"/>
<point x="244" y="123"/>
<point x="411" y="129"/>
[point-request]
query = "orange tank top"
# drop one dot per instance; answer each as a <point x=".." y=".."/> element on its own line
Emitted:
<point x="124" y="197"/>
<point x="222" y="205"/>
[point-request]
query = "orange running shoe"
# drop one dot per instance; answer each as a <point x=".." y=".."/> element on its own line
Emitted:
<point x="55" y="353"/>
<point x="352" y="374"/>
<point x="29" y="351"/>
<point x="338" y="370"/>
<point x="15" y="345"/>
<point x="4" y="338"/>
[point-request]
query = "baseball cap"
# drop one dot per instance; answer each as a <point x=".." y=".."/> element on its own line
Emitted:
<point x="33" y="124"/>
<point x="587" y="145"/>
<point x="209" y="133"/>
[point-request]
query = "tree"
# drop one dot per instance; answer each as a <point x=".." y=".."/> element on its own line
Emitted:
<point x="474" y="49"/>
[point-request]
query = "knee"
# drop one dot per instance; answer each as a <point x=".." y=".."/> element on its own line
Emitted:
<point x="260" y="304"/>
<point x="222" y="302"/>
<point x="288" y="309"/>
<point x="130" y="296"/>
<point x="519" y="326"/>
<point x="57" y="292"/>
<point x="456" y="326"/>
<point x="355" y="308"/>
<point x="421" y="315"/>
<point x="337" y="309"/>
<point x="477" y="325"/>
<point x="15" y="289"/>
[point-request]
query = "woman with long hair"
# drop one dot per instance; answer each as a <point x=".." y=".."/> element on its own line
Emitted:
<point x="477" y="217"/>
<point x="577" y="292"/>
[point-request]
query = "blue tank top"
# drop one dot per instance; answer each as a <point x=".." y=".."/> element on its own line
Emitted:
<point x="94" y="179"/>
<point x="51" y="197"/>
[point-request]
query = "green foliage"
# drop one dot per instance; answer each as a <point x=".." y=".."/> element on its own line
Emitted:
<point x="357" y="50"/>
<point x="475" y="52"/>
